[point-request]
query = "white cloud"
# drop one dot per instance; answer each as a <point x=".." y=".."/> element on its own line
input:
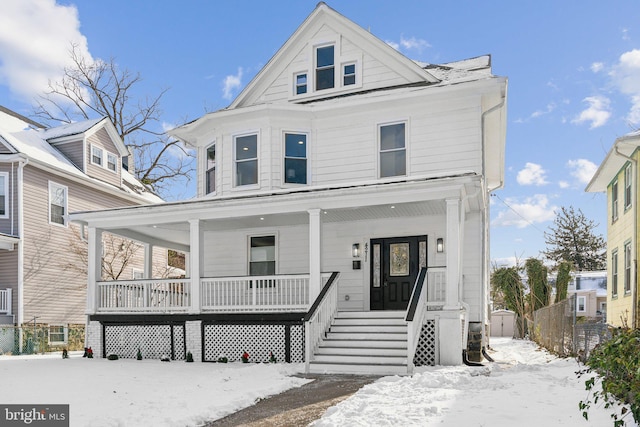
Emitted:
<point x="596" y="67"/>
<point x="582" y="170"/>
<point x="231" y="83"/>
<point x="532" y="174"/>
<point x="597" y="113"/>
<point x="626" y="77"/>
<point x="563" y="184"/>
<point x="414" y="44"/>
<point x="533" y="210"/>
<point x="35" y="40"/>
<point x="393" y="44"/>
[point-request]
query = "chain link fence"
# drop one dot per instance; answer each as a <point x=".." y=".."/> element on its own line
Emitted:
<point x="29" y="339"/>
<point x="555" y="328"/>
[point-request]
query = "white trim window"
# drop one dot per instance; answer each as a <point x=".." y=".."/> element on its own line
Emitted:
<point x="325" y="67"/>
<point x="112" y="162"/>
<point x="349" y="74"/>
<point x="4" y="194"/>
<point x="210" y="169"/>
<point x="246" y="160"/>
<point x="137" y="274"/>
<point x="58" y="202"/>
<point x="581" y="304"/>
<point x="614" y="273"/>
<point x="295" y="158"/>
<point x="262" y="255"/>
<point x="614" y="201"/>
<point x="300" y="83"/>
<point x="393" y="149"/>
<point x="97" y="155"/>
<point x="58" y="334"/>
<point x="627" y="268"/>
<point x="627" y="187"/>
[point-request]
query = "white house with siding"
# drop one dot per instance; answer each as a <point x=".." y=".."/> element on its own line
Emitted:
<point x="45" y="173"/>
<point x="342" y="216"/>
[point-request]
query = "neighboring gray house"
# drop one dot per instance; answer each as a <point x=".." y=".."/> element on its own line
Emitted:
<point x="44" y="174"/>
<point x="342" y="216"/>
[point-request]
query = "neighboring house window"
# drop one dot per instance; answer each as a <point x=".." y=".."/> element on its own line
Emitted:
<point x="138" y="274"/>
<point x="301" y="83"/>
<point x="393" y="153"/>
<point x="112" y="162"/>
<point x="349" y="74"/>
<point x="96" y="155"/>
<point x="211" y="169"/>
<point x="246" y="160"/>
<point x="4" y="191"/>
<point x="627" y="187"/>
<point x="582" y="304"/>
<point x="295" y="158"/>
<point x="262" y="256"/>
<point x="57" y="203"/>
<point x="627" y="267"/>
<point x="614" y="201"/>
<point x="603" y="307"/>
<point x="57" y="334"/>
<point x="614" y="273"/>
<point x="325" y="74"/>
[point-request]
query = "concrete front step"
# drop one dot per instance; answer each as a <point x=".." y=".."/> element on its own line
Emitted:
<point x="362" y="343"/>
<point x="360" y="359"/>
<point x="362" y="369"/>
<point x="366" y="321"/>
<point x="369" y="314"/>
<point x="387" y="336"/>
<point x="374" y="329"/>
<point x="358" y="351"/>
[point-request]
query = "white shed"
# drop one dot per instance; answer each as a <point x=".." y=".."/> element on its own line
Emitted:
<point x="503" y="323"/>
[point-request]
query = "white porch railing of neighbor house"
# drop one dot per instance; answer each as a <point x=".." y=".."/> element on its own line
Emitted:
<point x="156" y="295"/>
<point x="320" y="316"/>
<point x="5" y="301"/>
<point x="436" y="287"/>
<point x="256" y="293"/>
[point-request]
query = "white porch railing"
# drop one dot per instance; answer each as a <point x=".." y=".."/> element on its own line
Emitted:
<point x="436" y="287"/>
<point x="5" y="301"/>
<point x="154" y="295"/>
<point x="415" y="317"/>
<point x="319" y="318"/>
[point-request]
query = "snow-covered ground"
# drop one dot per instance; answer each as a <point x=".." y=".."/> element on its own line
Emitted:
<point x="524" y="387"/>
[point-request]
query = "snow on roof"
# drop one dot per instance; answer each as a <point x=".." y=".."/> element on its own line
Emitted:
<point x="70" y="129"/>
<point x="132" y="185"/>
<point x="460" y="71"/>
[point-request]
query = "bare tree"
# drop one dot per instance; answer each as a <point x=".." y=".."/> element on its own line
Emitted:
<point x="90" y="89"/>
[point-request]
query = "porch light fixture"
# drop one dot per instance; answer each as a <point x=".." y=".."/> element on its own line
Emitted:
<point x="355" y="251"/>
<point x="439" y="245"/>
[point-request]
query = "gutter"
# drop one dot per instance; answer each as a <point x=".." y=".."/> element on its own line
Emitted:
<point x="634" y="201"/>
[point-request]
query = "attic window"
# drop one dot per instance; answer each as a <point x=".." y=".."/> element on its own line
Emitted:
<point x="301" y="83"/>
<point x="96" y="155"/>
<point x="112" y="162"/>
<point x="325" y="77"/>
<point x="349" y="74"/>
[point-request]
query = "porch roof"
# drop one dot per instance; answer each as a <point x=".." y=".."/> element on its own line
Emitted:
<point x="167" y="224"/>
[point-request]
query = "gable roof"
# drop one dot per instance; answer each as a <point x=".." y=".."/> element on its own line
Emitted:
<point x="616" y="158"/>
<point x="85" y="129"/>
<point x="324" y="15"/>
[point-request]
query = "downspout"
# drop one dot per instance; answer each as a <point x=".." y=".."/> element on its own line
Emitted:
<point x="22" y="162"/>
<point x="634" y="201"/>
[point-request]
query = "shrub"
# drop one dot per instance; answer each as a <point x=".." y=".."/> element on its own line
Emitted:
<point x="617" y="364"/>
<point x="189" y="356"/>
<point x="112" y="357"/>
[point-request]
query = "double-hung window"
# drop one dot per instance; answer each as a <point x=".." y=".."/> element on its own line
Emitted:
<point x="262" y="256"/>
<point x="627" y="187"/>
<point x="96" y="155"/>
<point x="4" y="191"/>
<point x="58" y="334"/>
<point x="301" y="83"/>
<point x="295" y="158"/>
<point x="112" y="162"/>
<point x="614" y="201"/>
<point x="57" y="203"/>
<point x="581" y="304"/>
<point x="246" y="160"/>
<point x="325" y="67"/>
<point x="349" y="74"/>
<point x="211" y="169"/>
<point x="627" y="267"/>
<point x="614" y="273"/>
<point x="393" y="151"/>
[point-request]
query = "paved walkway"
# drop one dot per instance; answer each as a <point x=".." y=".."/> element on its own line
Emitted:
<point x="299" y="406"/>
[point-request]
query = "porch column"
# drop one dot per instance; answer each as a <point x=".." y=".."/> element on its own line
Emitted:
<point x="196" y="263"/>
<point x="315" y="251"/>
<point x="148" y="260"/>
<point x="453" y="250"/>
<point x="94" y="267"/>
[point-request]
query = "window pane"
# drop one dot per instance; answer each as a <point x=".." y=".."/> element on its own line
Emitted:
<point x="247" y="147"/>
<point x="350" y="69"/>
<point x="211" y="156"/>
<point x="301" y="84"/>
<point x="295" y="171"/>
<point x="349" y="80"/>
<point x="325" y="79"/>
<point x="267" y="268"/>
<point x="247" y="172"/>
<point x="393" y="163"/>
<point x="295" y="145"/>
<point x="262" y="259"/>
<point x="392" y="137"/>
<point x="211" y="180"/>
<point x="3" y="211"/>
<point x="57" y="214"/>
<point x="324" y="56"/>
<point x="349" y="75"/>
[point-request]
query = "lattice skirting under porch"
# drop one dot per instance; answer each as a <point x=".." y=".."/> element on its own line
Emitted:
<point x="153" y="340"/>
<point x="426" y="351"/>
<point x="286" y="341"/>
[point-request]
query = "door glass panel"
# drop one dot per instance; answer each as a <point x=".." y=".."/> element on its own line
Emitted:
<point x="399" y="259"/>
<point x="376" y="265"/>
<point x="423" y="254"/>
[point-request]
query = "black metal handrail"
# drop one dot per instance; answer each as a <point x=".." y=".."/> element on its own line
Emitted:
<point x="415" y="296"/>
<point x="323" y="293"/>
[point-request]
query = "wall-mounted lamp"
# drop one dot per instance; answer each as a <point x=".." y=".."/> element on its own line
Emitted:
<point x="355" y="252"/>
<point x="439" y="245"/>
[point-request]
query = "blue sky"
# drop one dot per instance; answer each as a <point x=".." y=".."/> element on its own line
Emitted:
<point x="573" y="69"/>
